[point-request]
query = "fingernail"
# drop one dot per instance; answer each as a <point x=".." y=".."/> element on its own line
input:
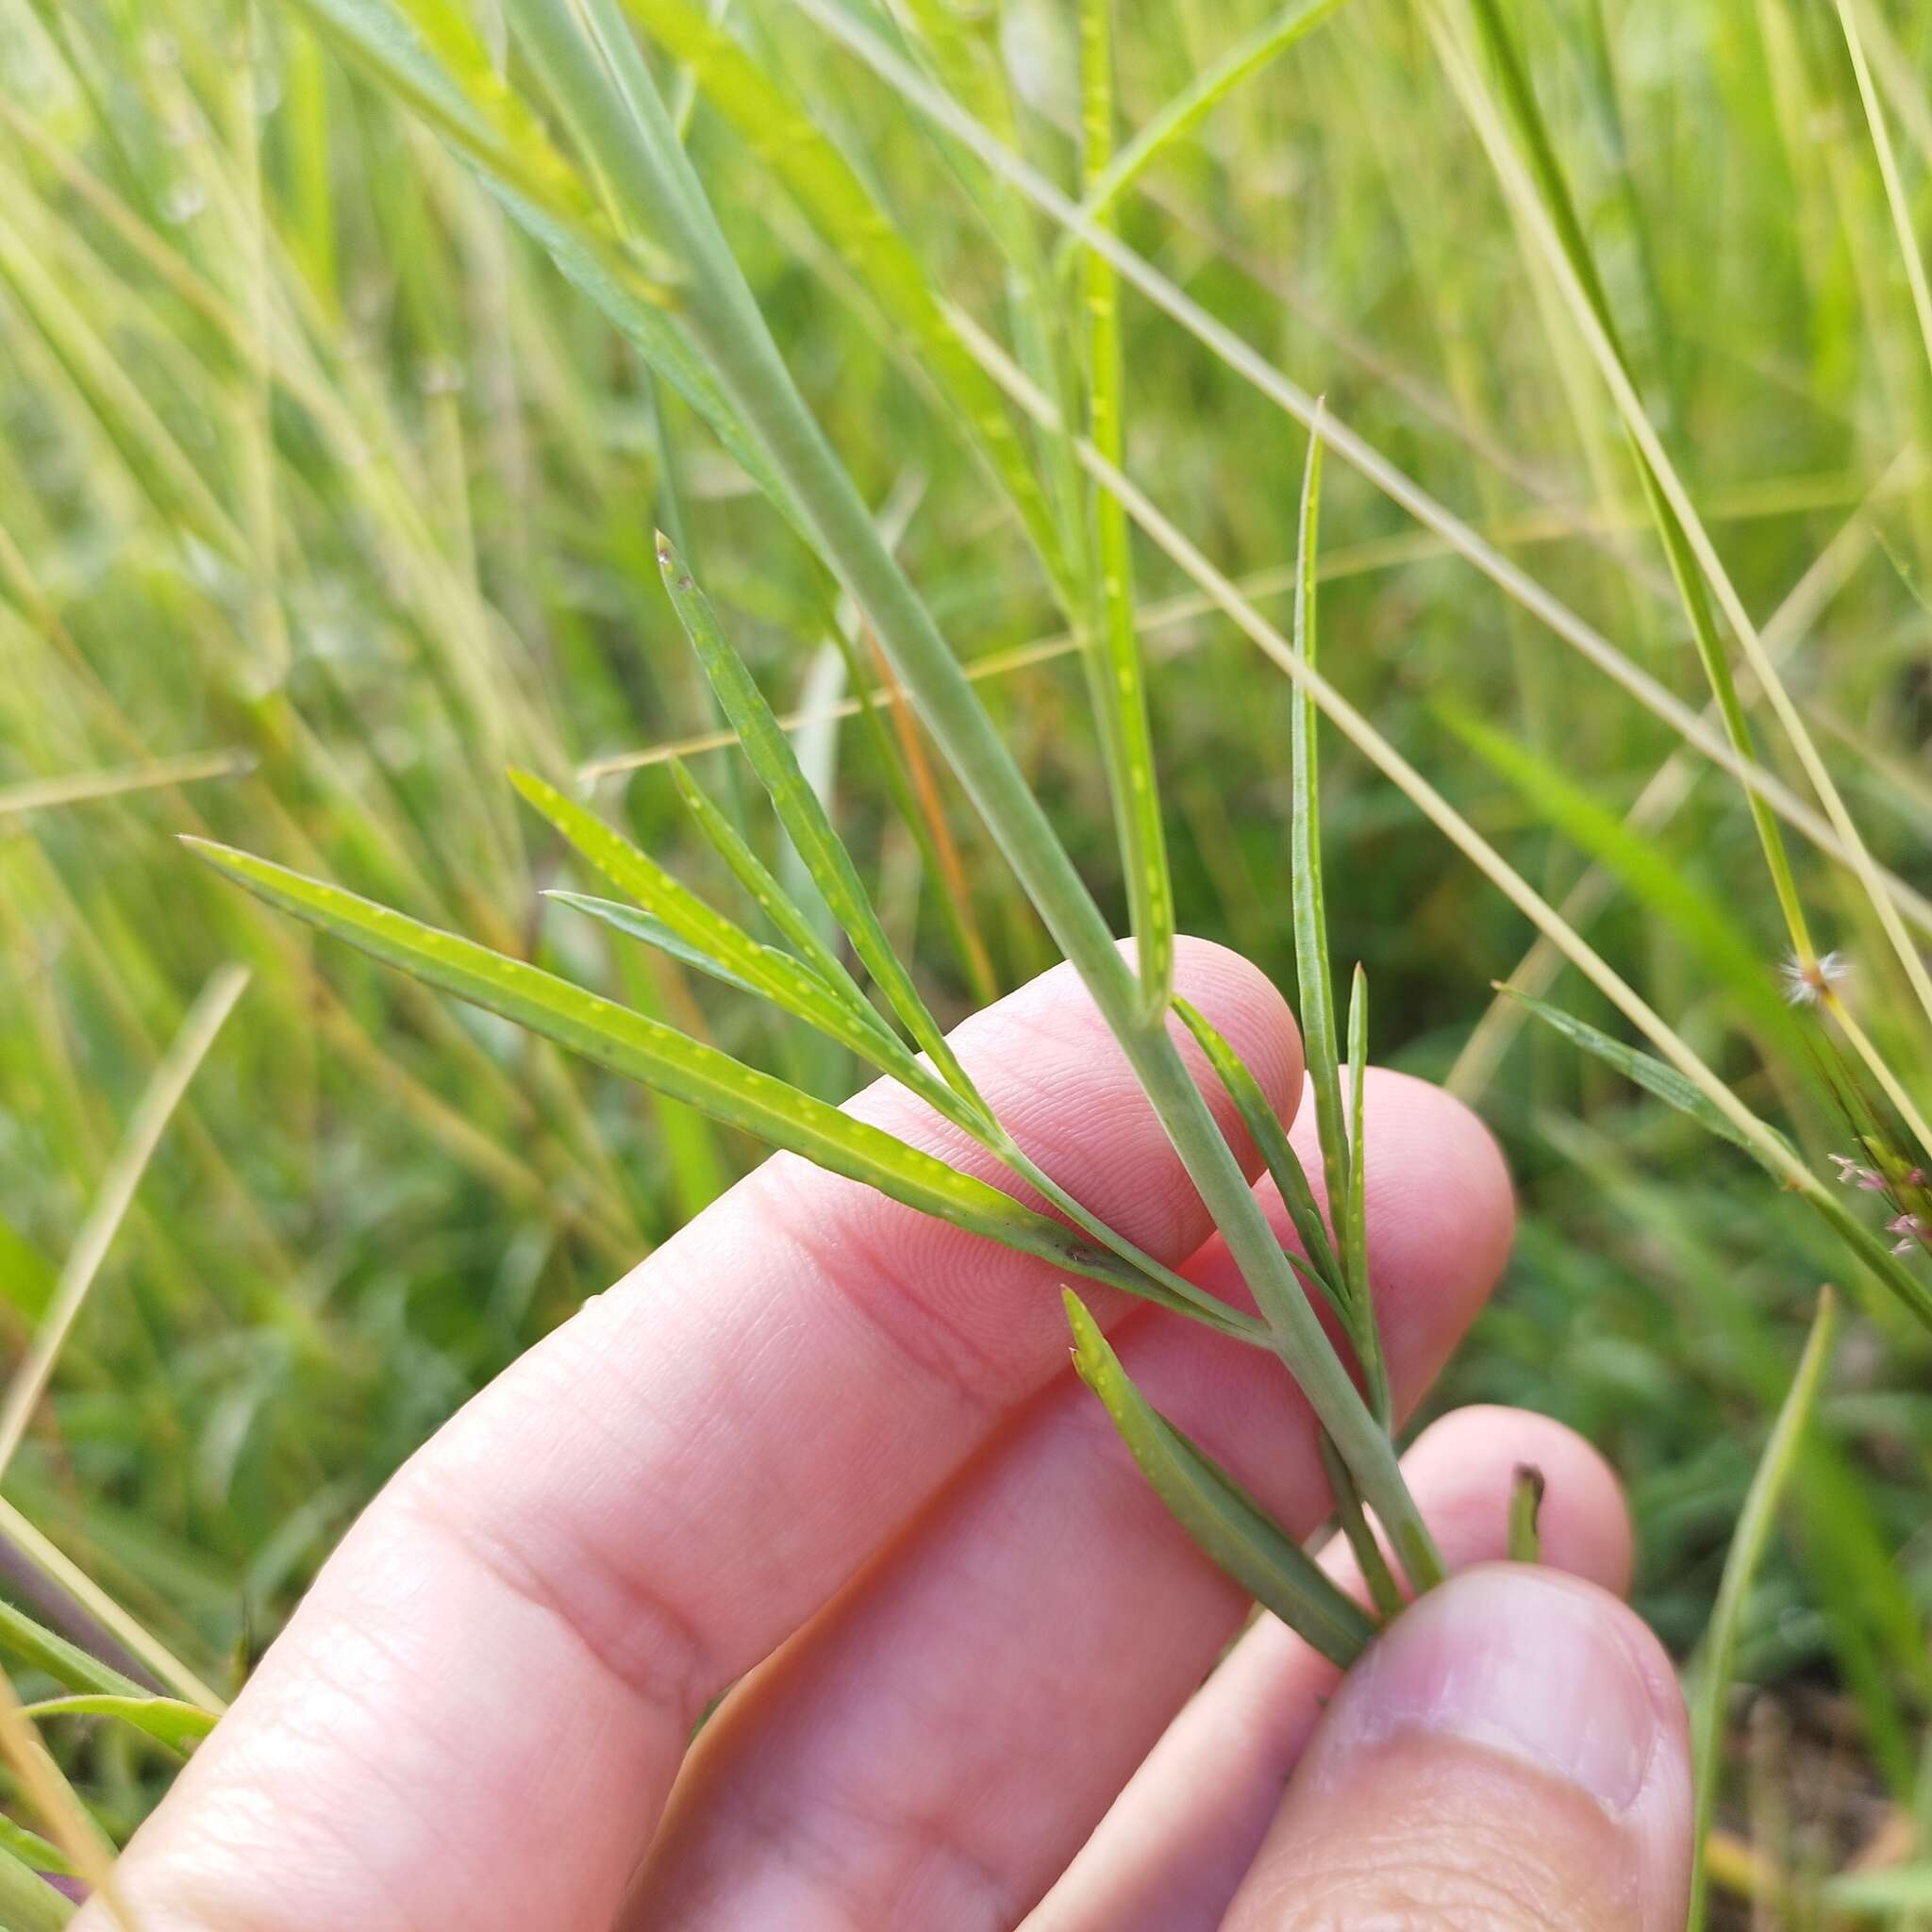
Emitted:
<point x="1518" y="1660"/>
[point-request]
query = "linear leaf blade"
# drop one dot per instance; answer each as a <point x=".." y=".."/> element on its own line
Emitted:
<point x="1315" y="983"/>
<point x="808" y="166"/>
<point x="1277" y="1152"/>
<point x="1224" y="1521"/>
<point x="167" y="1720"/>
<point x="1644" y="1069"/>
<point x="1115" y="673"/>
<point x="649" y="1051"/>
<point x="804" y="817"/>
<point x="1748" y="1541"/>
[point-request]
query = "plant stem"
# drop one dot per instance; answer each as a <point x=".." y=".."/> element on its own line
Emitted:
<point x="651" y="178"/>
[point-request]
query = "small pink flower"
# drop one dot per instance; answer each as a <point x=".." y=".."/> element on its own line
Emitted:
<point x="1911" y="1231"/>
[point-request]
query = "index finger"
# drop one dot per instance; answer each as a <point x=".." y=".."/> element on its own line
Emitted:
<point x="474" y="1718"/>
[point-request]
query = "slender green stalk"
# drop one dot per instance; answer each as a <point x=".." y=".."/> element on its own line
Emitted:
<point x="149" y="1121"/>
<point x="1113" y="657"/>
<point x="1199" y="98"/>
<point x="1717" y="1659"/>
<point x="1269" y="381"/>
<point x="648" y="165"/>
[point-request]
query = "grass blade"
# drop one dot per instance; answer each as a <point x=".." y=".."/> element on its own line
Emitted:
<point x="1115" y="673"/>
<point x="651" y="931"/>
<point x="1719" y="1650"/>
<point x="28" y="1902"/>
<point x="812" y="832"/>
<point x="34" y="1644"/>
<point x="1305" y="861"/>
<point x="166" y="1720"/>
<point x="767" y="895"/>
<point x="149" y="1121"/>
<point x="1644" y="1070"/>
<point x="701" y="1076"/>
<point x="1366" y="1335"/>
<point x="642" y="1050"/>
<point x="1277" y="1152"/>
<point x="1384" y="1591"/>
<point x="807" y="166"/>
<point x="1229" y="1524"/>
<point x="783" y="980"/>
<point x="1199" y="98"/>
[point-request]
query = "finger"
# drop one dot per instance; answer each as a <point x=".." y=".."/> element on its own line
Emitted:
<point x="934" y="1750"/>
<point x="474" y="1717"/>
<point x="1171" y="1853"/>
<point x="1512" y="1754"/>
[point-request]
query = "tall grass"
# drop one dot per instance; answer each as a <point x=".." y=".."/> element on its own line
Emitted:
<point x="355" y="349"/>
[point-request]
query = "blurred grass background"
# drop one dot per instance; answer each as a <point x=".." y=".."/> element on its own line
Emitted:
<point x="324" y="496"/>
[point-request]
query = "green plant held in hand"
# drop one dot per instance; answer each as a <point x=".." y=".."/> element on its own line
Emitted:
<point x="812" y="986"/>
<point x="969" y="359"/>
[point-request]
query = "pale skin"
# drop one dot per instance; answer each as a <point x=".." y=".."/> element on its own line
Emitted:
<point x="830" y="1453"/>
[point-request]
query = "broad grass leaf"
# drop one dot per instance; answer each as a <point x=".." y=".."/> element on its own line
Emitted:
<point x="1224" y="1521"/>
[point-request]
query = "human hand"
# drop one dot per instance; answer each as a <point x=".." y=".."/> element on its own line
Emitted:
<point x="830" y="1451"/>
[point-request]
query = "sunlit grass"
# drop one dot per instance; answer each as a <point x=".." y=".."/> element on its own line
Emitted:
<point x="326" y="497"/>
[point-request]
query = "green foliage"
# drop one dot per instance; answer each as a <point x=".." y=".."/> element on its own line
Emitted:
<point x="336" y="432"/>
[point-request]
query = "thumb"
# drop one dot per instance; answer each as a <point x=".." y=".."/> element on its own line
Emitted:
<point x="1512" y="1754"/>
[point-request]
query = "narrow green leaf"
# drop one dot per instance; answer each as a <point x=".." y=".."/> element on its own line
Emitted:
<point x="1525" y="1507"/>
<point x="1305" y="859"/>
<point x="1113" y="656"/>
<point x="149" y="1121"/>
<point x="560" y="220"/>
<point x="1644" y="1069"/>
<point x="652" y="931"/>
<point x="1197" y="100"/>
<point x="1880" y="1894"/>
<point x="1384" y="1591"/>
<point x="1645" y="869"/>
<point x="805" y="165"/>
<point x="1717" y="1657"/>
<point x="1230" y="1527"/>
<point x="28" y="1902"/>
<point x="1532" y="132"/>
<point x="32" y="1642"/>
<point x="812" y="832"/>
<point x="687" y="1070"/>
<point x="1367" y="1335"/>
<point x="770" y="897"/>
<point x="787" y="984"/>
<point x="34" y="1852"/>
<point x="1283" y="1163"/>
<point x="646" y="1051"/>
<point x="167" y="1720"/>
